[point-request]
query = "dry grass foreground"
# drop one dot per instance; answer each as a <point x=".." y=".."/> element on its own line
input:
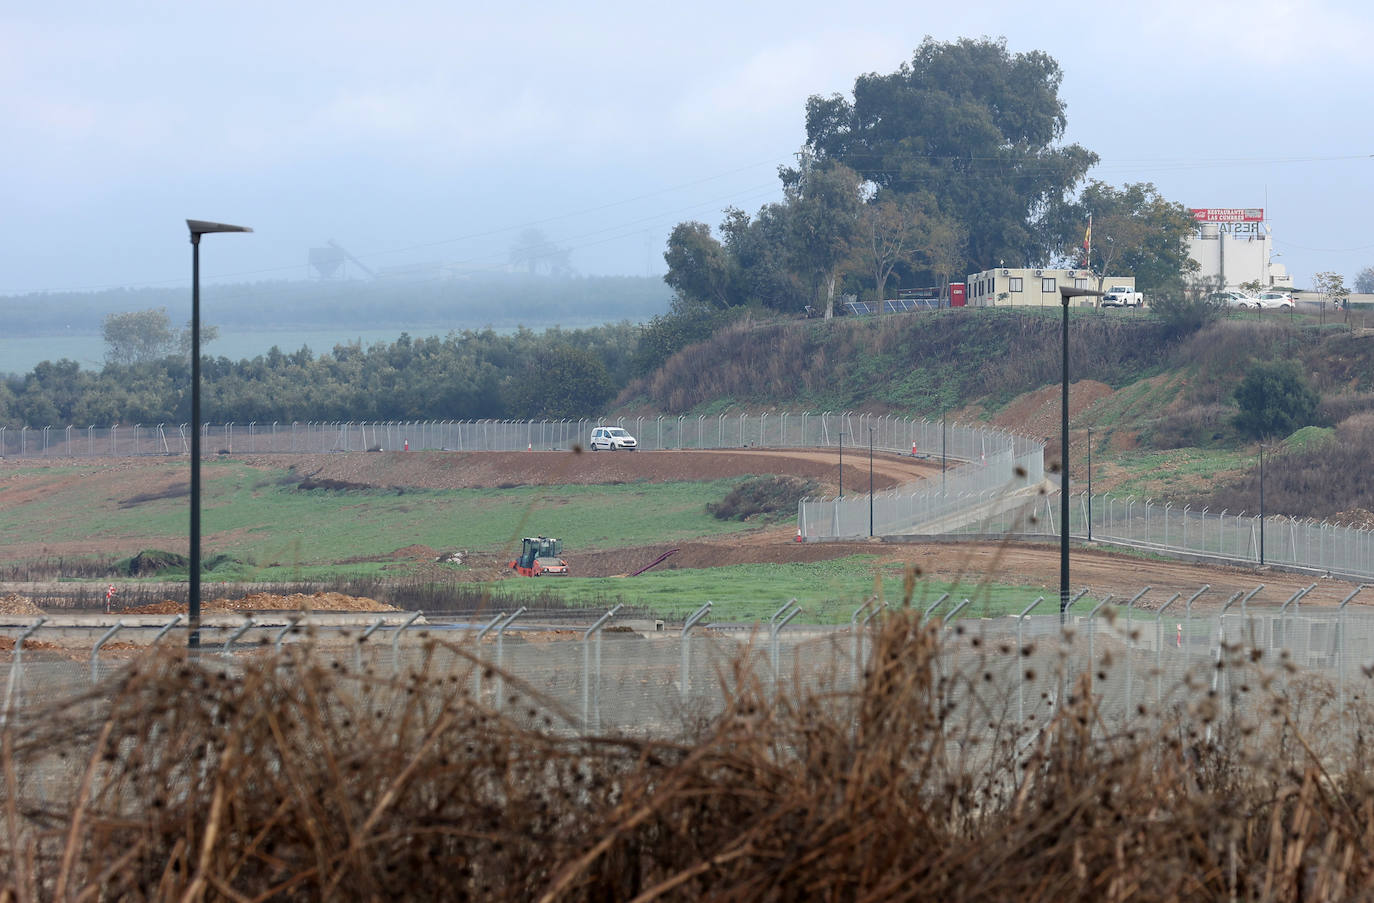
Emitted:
<point x="295" y="779"/>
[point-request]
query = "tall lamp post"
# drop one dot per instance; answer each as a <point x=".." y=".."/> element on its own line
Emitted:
<point x="1065" y="293"/>
<point x="198" y="228"/>
<point x="1261" y="550"/>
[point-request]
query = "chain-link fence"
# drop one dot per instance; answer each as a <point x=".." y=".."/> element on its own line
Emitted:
<point x="976" y="461"/>
<point x="841" y="431"/>
<point x="1140" y="660"/>
<point x="1319" y="548"/>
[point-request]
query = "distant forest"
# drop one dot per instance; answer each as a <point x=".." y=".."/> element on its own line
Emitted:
<point x="463" y="302"/>
<point x="468" y="374"/>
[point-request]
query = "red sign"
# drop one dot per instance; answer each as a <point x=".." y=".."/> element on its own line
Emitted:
<point x="1228" y="214"/>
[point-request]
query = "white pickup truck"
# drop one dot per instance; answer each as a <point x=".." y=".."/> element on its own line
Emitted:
<point x="1122" y="296"/>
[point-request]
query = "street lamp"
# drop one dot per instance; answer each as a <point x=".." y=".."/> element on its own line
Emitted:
<point x="1065" y="293"/>
<point x="198" y="228"/>
<point x="1261" y="549"/>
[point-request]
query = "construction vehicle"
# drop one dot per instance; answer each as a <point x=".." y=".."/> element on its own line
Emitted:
<point x="540" y="556"/>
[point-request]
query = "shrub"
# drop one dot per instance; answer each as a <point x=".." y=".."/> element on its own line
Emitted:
<point x="154" y="561"/>
<point x="295" y="777"/>
<point x="1186" y="307"/>
<point x="763" y="497"/>
<point x="1274" y="400"/>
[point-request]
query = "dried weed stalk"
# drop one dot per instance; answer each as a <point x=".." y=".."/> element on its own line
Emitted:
<point x="290" y="777"/>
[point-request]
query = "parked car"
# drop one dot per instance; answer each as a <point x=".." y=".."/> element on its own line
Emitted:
<point x="1233" y="298"/>
<point x="612" y="438"/>
<point x="1122" y="296"/>
<point x="1276" y="299"/>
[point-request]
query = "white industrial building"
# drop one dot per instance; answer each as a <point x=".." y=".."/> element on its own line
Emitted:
<point x="1234" y="245"/>
<point x="1026" y="287"/>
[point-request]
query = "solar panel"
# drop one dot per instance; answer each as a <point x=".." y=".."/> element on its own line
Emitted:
<point x="858" y="307"/>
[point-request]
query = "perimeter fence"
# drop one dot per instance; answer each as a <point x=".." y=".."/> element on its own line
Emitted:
<point x="976" y="461"/>
<point x="1142" y="659"/>
<point x="1310" y="546"/>
<point x="843" y="431"/>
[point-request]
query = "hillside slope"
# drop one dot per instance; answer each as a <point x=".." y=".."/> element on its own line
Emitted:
<point x="1161" y="407"/>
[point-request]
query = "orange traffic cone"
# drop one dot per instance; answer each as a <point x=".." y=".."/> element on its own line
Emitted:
<point x="407" y="448"/>
<point x="799" y="536"/>
<point x="530" y="447"/>
<point x="913" y="449"/>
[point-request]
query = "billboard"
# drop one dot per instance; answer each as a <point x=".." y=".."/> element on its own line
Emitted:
<point x="1228" y="214"/>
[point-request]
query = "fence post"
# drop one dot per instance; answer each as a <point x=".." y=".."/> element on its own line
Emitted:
<point x="358" y="649"/>
<point x="930" y="609"/>
<point x="476" y="654"/>
<point x="1020" y="653"/>
<point x="1188" y="623"/>
<point x="242" y="629"/>
<point x="396" y="641"/>
<point x="1340" y="655"/>
<point x="14" y="690"/>
<point x="589" y="705"/>
<point x="281" y="634"/>
<point x="863" y="627"/>
<point x="1092" y="632"/>
<point x="500" y="654"/>
<point x="775" y="627"/>
<point x="856" y="662"/>
<point x="166" y="628"/>
<point x="1159" y="649"/>
<point x="692" y="619"/>
<point x="95" y="650"/>
<point x="1130" y="650"/>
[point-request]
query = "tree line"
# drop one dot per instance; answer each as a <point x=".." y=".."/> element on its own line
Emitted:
<point x="950" y="165"/>
<point x="473" y="374"/>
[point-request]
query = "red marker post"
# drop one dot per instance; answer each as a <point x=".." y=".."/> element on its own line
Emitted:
<point x="109" y="597"/>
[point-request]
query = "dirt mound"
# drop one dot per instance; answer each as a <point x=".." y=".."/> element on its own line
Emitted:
<point x="1357" y="517"/>
<point x="271" y="602"/>
<point x="484" y="470"/>
<point x="152" y="561"/>
<point x="15" y="604"/>
<point x="1038" y="413"/>
<point x="415" y="553"/>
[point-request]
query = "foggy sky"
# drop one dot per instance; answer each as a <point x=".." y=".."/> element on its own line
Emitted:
<point x="437" y="131"/>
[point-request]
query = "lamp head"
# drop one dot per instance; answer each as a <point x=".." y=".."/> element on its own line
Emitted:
<point x="199" y="227"/>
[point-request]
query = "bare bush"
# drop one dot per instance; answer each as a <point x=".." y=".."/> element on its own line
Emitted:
<point x="294" y="778"/>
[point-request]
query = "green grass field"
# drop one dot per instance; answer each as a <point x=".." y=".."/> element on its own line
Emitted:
<point x="278" y="532"/>
<point x="827" y="591"/>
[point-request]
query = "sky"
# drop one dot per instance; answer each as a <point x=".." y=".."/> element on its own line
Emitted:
<point x="432" y="132"/>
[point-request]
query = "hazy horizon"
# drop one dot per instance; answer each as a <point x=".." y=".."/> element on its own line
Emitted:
<point x="433" y="134"/>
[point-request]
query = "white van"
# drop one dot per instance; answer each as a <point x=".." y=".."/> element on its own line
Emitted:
<point x="611" y="438"/>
